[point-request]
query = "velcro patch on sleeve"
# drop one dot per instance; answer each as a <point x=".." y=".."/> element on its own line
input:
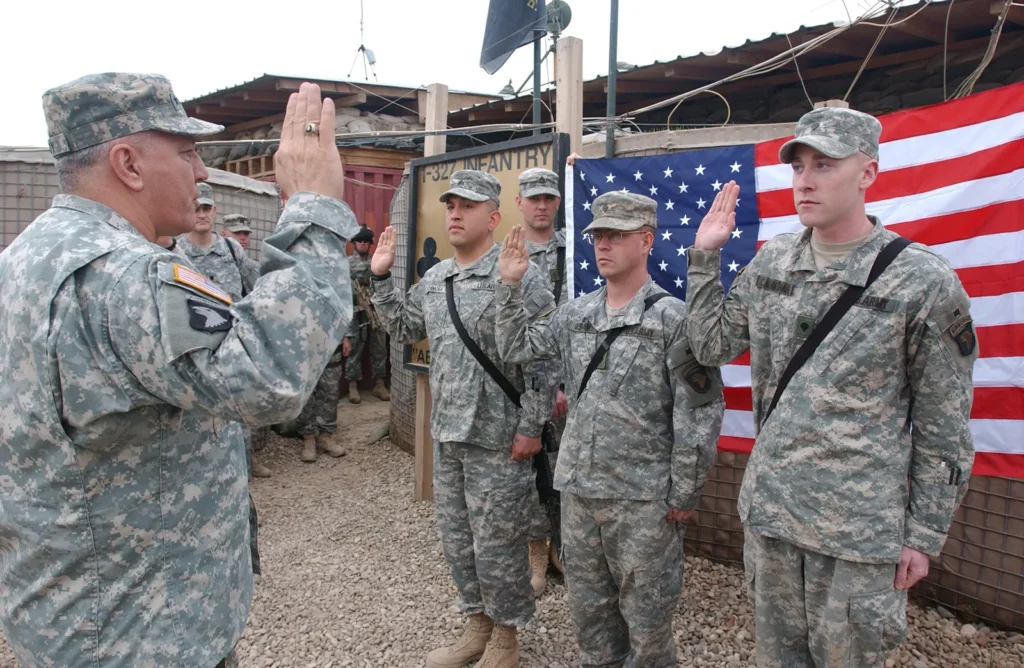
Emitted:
<point x="197" y="281"/>
<point x="205" y="316"/>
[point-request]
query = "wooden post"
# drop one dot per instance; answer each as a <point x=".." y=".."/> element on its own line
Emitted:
<point x="569" y="90"/>
<point x="436" y="119"/>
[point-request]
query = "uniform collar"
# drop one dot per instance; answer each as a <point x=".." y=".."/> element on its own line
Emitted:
<point x="852" y="270"/>
<point x="484" y="266"/>
<point x="193" y="250"/>
<point x="632" y="314"/>
<point x="96" y="210"/>
<point x="557" y="241"/>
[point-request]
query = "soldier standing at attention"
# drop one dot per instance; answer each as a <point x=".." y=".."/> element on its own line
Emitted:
<point x="856" y="472"/>
<point x="483" y="441"/>
<point x="640" y="439"/>
<point x="363" y="332"/>
<point x="538" y="200"/>
<point x="319" y="417"/>
<point x="236" y="226"/>
<point x="124" y="373"/>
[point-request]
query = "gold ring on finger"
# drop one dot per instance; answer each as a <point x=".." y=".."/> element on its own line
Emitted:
<point x="312" y="129"/>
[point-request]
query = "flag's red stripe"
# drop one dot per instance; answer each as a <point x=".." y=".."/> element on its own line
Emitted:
<point x="986" y="106"/>
<point x="1001" y="159"/>
<point x="1001" y="341"/>
<point x="735" y="444"/>
<point x="739" y="399"/>
<point x="998" y="465"/>
<point x="992" y="219"/>
<point x="742" y="360"/>
<point x="996" y="279"/>
<point x="998" y="403"/>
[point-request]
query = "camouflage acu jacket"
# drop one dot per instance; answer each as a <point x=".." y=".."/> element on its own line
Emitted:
<point x="647" y="424"/>
<point x="231" y="272"/>
<point x="123" y="375"/>
<point x="869" y="448"/>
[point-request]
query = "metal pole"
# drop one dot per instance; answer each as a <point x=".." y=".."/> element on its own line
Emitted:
<point x="536" y="81"/>
<point x="613" y="42"/>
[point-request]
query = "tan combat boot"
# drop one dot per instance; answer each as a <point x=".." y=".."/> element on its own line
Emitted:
<point x="538" y="566"/>
<point x="259" y="470"/>
<point x="502" y="649"/>
<point x="469" y="647"/>
<point x="380" y="390"/>
<point x="331" y="448"/>
<point x="555" y="560"/>
<point x="353" y="393"/>
<point x="308" y="448"/>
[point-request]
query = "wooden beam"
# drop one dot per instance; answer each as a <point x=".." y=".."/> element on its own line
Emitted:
<point x="343" y="87"/>
<point x="208" y="110"/>
<point x="569" y="90"/>
<point x="675" y="140"/>
<point x="922" y="29"/>
<point x="628" y="86"/>
<point x="264" y="96"/>
<point x="349" y="99"/>
<point x="1015" y="15"/>
<point x="255" y="123"/>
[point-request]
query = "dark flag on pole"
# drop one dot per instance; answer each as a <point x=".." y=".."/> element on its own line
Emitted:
<point x="510" y="25"/>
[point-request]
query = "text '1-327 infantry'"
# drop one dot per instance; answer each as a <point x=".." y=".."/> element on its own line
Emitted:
<point x="140" y="351"/>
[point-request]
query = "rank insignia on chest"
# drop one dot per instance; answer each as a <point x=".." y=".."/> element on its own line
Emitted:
<point x="206" y="316"/>
<point x="553" y="275"/>
<point x="962" y="331"/>
<point x="603" y="365"/>
<point x="193" y="279"/>
<point x="804" y="325"/>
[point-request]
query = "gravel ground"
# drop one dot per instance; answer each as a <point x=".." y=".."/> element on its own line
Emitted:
<point x="354" y="576"/>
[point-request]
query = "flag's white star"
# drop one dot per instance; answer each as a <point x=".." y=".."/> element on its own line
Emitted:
<point x="685" y="220"/>
<point x="737" y="201"/>
<point x="701" y="203"/>
<point x="681" y="251"/>
<point x="666" y="235"/>
<point x="597" y="281"/>
<point x="716" y="185"/>
<point x="683" y="187"/>
<point x="663" y="265"/>
<point x="593" y="190"/>
<point x="679" y="282"/>
<point x="584" y="265"/>
<point x="581" y="293"/>
<point x="669" y="205"/>
<point x="639" y="175"/>
<point x="654" y="190"/>
<point x="650" y="252"/>
<point x="583" y="177"/>
<point x="624" y="190"/>
<point x="733" y="266"/>
<point x="668" y="172"/>
<point x="700" y="170"/>
<point x="735" y="166"/>
<point x="586" y="206"/>
<point x="610" y="178"/>
<point x="736" y="233"/>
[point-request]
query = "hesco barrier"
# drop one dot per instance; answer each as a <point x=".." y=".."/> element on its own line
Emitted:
<point x="403" y="381"/>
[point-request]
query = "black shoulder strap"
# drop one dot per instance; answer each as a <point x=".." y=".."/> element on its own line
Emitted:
<point x="833" y="316"/>
<point x="560" y="268"/>
<point x="234" y="258"/>
<point x="606" y="345"/>
<point x="474" y="349"/>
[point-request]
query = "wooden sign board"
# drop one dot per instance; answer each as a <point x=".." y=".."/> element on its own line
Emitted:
<point x="428" y="242"/>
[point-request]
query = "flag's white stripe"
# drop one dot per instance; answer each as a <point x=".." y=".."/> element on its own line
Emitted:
<point x="988" y="372"/>
<point x="570" y="232"/>
<point x="920" y="150"/>
<point x="965" y="196"/>
<point x="1006" y="309"/>
<point x="1000" y="436"/>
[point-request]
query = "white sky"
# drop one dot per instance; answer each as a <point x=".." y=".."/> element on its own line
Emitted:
<point x="202" y="47"/>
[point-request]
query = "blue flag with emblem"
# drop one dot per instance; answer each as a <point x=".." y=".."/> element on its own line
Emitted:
<point x="510" y="25"/>
<point x="684" y="185"/>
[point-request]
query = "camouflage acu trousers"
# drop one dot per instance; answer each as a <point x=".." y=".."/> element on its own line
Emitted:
<point x="377" y="343"/>
<point x="540" y="523"/>
<point x="320" y="414"/>
<point x="815" y="611"/>
<point x="230" y="661"/>
<point x="254" y="525"/>
<point x="624" y="572"/>
<point x="482" y="501"/>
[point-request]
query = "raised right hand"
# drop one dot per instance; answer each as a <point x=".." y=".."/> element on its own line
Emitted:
<point x="513" y="260"/>
<point x="305" y="161"/>
<point x="384" y="256"/>
<point x="720" y="220"/>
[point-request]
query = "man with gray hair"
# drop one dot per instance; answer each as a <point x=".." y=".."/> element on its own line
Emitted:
<point x="125" y="372"/>
<point x="861" y="353"/>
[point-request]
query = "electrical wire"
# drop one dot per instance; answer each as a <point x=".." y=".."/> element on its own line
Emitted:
<point x="399" y="134"/>
<point x="799" y="74"/>
<point x="945" y="47"/>
<point x="728" y="110"/>
<point x="968" y="84"/>
<point x="871" y="52"/>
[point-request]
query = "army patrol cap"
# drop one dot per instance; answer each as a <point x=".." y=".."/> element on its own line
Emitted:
<point x="837" y="133"/>
<point x="364" y="234"/>
<point x="236" y="222"/>
<point x="205" y="194"/>
<point x="538" y="181"/>
<point x="474" y="185"/>
<point x="100" y="107"/>
<point x="626" y="212"/>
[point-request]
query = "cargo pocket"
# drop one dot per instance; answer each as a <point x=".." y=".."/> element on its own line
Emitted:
<point x="878" y="623"/>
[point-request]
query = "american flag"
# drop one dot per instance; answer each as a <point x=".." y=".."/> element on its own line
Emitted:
<point x="952" y="177"/>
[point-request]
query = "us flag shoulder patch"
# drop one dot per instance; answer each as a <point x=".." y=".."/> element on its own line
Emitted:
<point x="193" y="279"/>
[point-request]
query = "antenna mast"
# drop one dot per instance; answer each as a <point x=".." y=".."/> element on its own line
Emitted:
<point x="369" y="60"/>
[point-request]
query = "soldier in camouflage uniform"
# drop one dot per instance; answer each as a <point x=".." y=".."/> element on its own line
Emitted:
<point x="481" y="494"/>
<point x="125" y="373"/>
<point x="835" y="535"/>
<point x="538" y="200"/>
<point x="639" y="441"/>
<point x="319" y="417"/>
<point x="362" y="333"/>
<point x="236" y="226"/>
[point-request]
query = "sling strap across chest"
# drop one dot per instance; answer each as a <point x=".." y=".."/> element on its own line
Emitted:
<point x="606" y="345"/>
<point x="560" y="269"/>
<point x="833" y="316"/>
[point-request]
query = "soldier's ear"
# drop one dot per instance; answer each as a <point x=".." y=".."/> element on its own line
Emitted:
<point x="495" y="220"/>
